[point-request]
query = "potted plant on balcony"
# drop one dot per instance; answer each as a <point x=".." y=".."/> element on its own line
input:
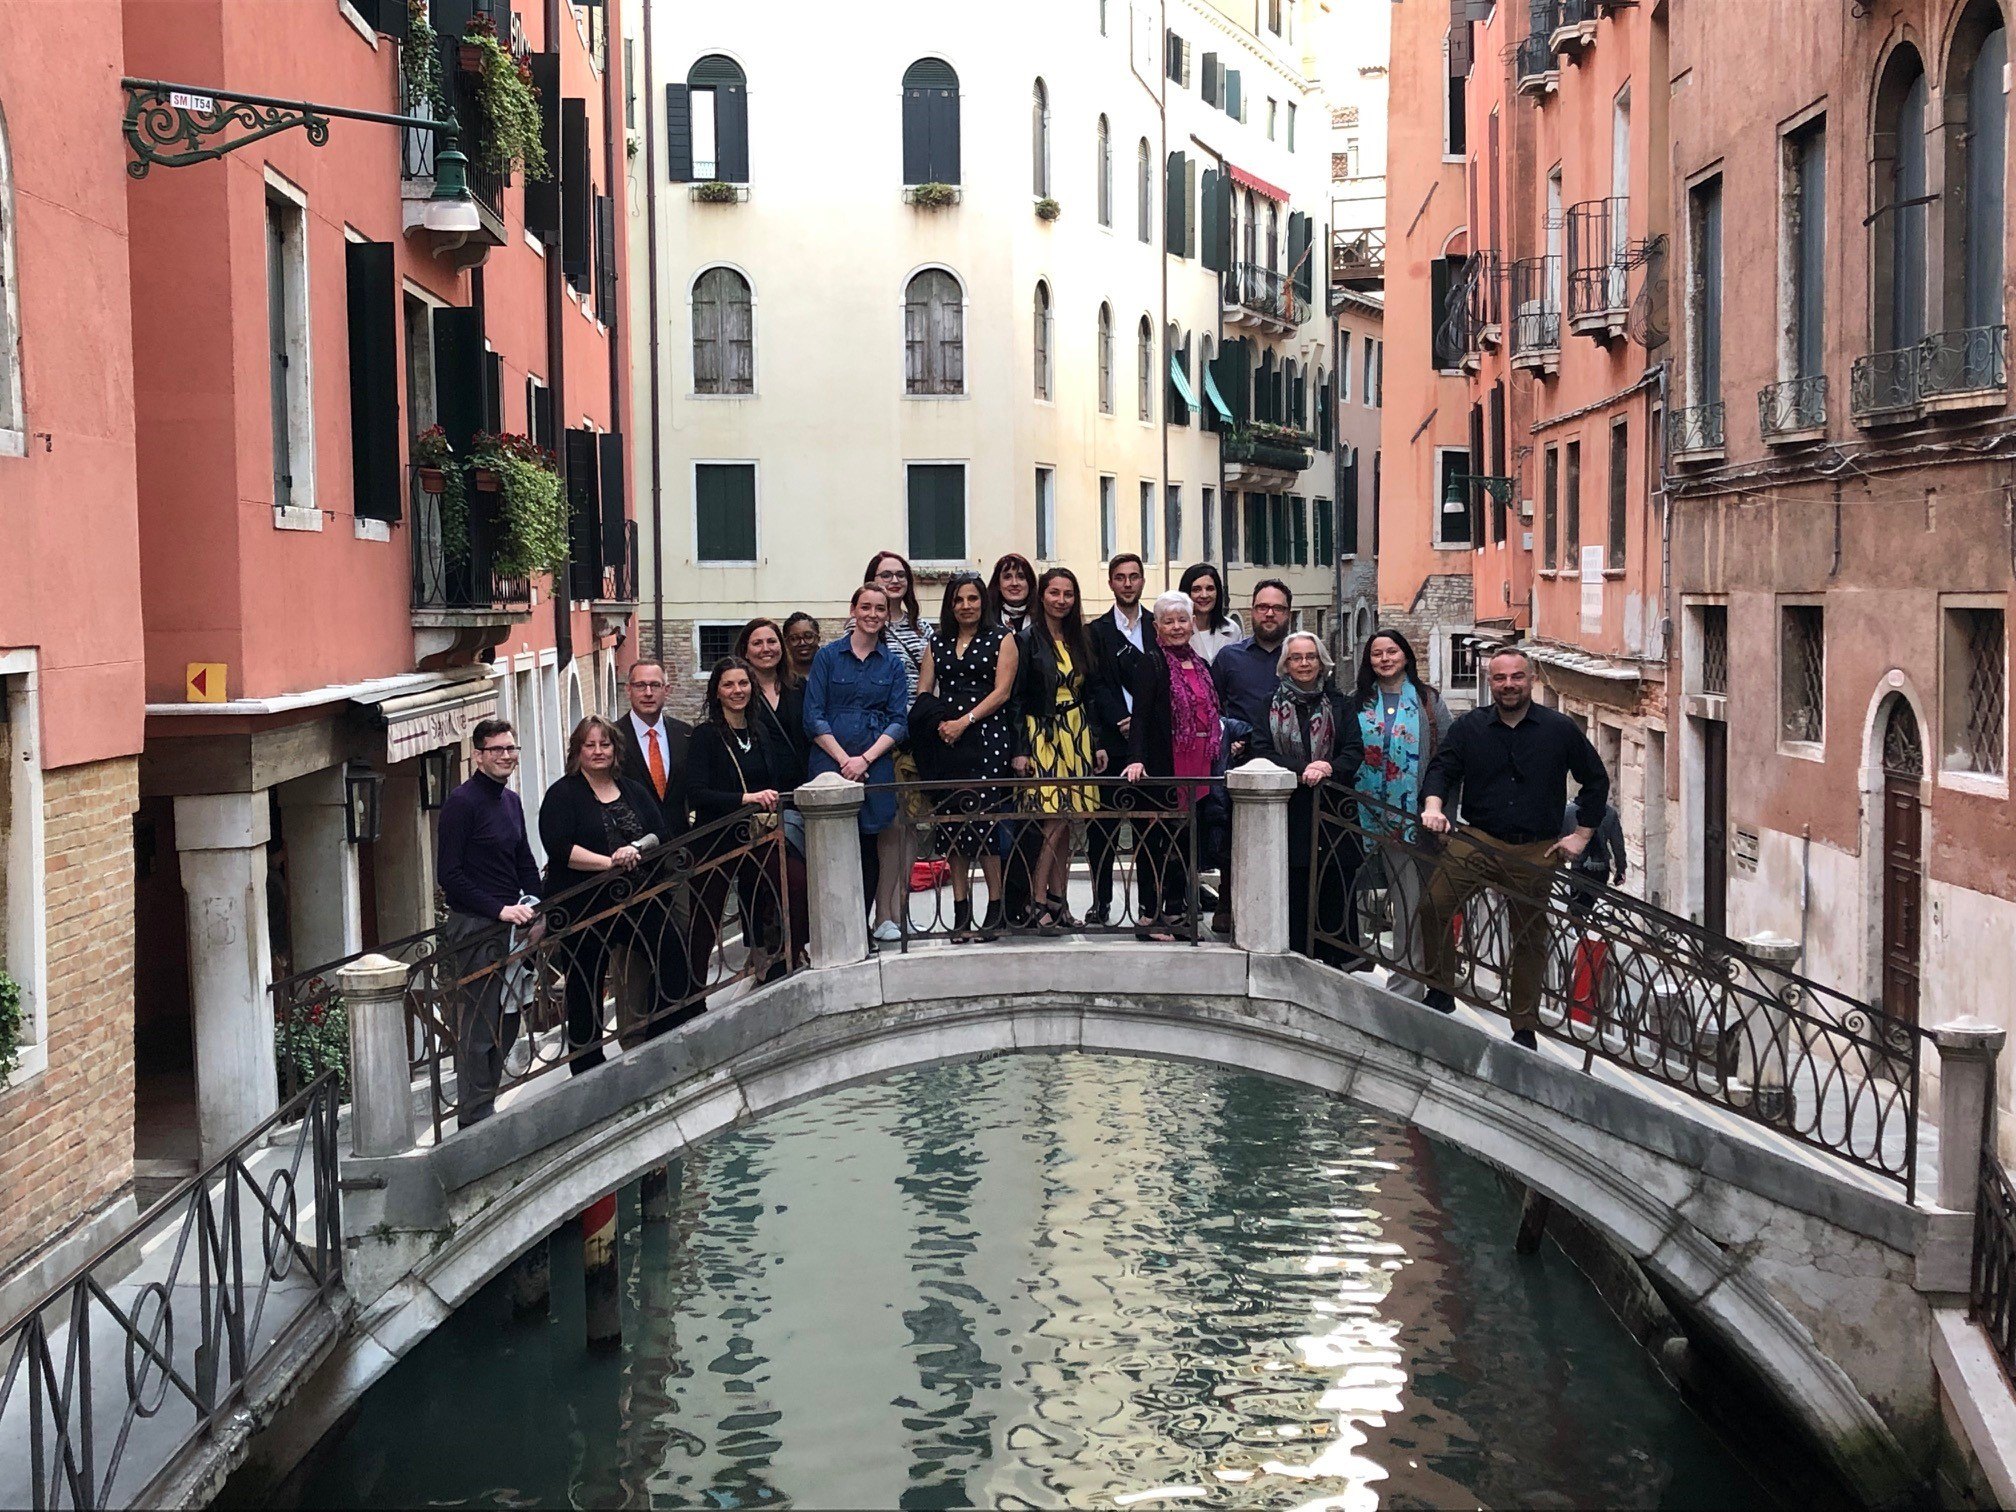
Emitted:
<point x="715" y="192"/>
<point x="933" y="196"/>
<point x="1047" y="209"/>
<point x="508" y="139"/>
<point x="420" y="60"/>
<point x="432" y="458"/>
<point x="532" y="509"/>
<point x="10" y="1024"/>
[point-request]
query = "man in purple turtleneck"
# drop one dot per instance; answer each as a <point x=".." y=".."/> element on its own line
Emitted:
<point x="486" y="867"/>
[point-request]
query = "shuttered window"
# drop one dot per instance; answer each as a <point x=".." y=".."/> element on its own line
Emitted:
<point x="1042" y="339"/>
<point x="1230" y="554"/>
<point x="1039" y="143"/>
<point x="584" y="506"/>
<point x="1105" y="359"/>
<point x="1144" y="362"/>
<point x="1104" y="166"/>
<point x="937" y="500"/>
<point x="10" y="311"/>
<point x="605" y="260"/>
<point x="1256" y="531"/>
<point x="934" y="335"/>
<point x="577" y="195"/>
<point x="930" y="123"/>
<point x="724" y="334"/>
<point x="707" y="123"/>
<point x="724" y="511"/>
<point x="373" y="307"/>
<point x="1144" y="192"/>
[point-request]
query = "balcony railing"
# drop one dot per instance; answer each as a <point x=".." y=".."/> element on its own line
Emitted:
<point x="1358" y="256"/>
<point x="1970" y="361"/>
<point x="1599" y="244"/>
<point x="1536" y="306"/>
<point x="486" y="185"/>
<point x="1261" y="290"/>
<point x="619" y="578"/>
<point x="1535" y="71"/>
<point x="1265" y="451"/>
<point x="1696" y="433"/>
<point x="1882" y="385"/>
<point x="1792" y="409"/>
<point x="1574" y="24"/>
<point x="454" y="576"/>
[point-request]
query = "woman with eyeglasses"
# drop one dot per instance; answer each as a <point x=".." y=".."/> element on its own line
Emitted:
<point x="959" y="729"/>
<point x="905" y="630"/>
<point x="801" y="644"/>
<point x="1312" y="730"/>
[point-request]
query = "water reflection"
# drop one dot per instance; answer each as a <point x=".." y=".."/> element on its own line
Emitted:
<point x="1051" y="1282"/>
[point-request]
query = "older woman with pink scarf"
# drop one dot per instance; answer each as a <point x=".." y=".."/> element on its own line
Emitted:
<point x="1173" y="737"/>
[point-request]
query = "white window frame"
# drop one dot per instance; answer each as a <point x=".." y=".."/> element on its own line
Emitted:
<point x="1149" y="508"/>
<point x="902" y="349"/>
<point x="755" y="356"/>
<point x="693" y="508"/>
<point x="1109" y="516"/>
<point x="301" y="513"/>
<point x="26" y="927"/>
<point x="1960" y="779"/>
<point x="1344" y="366"/>
<point x="1435" y="483"/>
<point x="1803" y="750"/>
<point x="13" y="438"/>
<point x="1046" y="512"/>
<point x="702" y="669"/>
<point x="965" y="466"/>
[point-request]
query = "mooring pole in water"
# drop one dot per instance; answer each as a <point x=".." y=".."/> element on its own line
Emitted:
<point x="654" y="1194"/>
<point x="1532" y="1222"/>
<point x="598" y="1271"/>
<point x="532" y="1280"/>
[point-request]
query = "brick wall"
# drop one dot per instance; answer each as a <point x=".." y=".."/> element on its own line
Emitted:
<point x="689" y="693"/>
<point x="66" y="1136"/>
<point x="1443" y="604"/>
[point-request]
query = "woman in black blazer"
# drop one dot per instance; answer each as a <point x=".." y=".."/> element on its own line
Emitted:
<point x="592" y="821"/>
<point x="1173" y="734"/>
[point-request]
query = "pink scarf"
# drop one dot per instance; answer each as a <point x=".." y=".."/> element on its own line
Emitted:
<point x="1193" y="721"/>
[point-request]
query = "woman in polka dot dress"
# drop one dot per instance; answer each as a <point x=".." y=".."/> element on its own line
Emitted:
<point x="969" y="664"/>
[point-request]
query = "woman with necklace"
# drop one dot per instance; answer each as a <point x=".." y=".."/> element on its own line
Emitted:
<point x="779" y="704"/>
<point x="1060" y="739"/>
<point x="1011" y="592"/>
<point x="967" y="680"/>
<point x="1311" y="729"/>
<point x="1174" y="733"/>
<point x="733" y="763"/>
<point x="1402" y="722"/>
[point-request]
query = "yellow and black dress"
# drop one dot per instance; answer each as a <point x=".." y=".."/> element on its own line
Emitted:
<point x="1060" y="745"/>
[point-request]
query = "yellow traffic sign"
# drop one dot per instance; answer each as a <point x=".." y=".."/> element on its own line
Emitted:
<point x="206" y="682"/>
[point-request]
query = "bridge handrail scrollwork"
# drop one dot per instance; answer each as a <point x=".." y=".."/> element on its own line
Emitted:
<point x="256" y="1247"/>
<point x="1632" y="985"/>
<point x="1991" y="1298"/>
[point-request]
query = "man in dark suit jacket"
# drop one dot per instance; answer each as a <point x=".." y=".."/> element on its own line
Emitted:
<point x="1118" y="637"/>
<point x="649" y="732"/>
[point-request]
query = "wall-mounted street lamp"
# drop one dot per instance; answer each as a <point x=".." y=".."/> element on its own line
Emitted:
<point x="1456" y="497"/>
<point x="362" y="789"/>
<point x="437" y="776"/>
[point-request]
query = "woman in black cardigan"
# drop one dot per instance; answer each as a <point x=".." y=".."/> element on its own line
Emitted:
<point x="734" y="763"/>
<point x="591" y="822"/>
<point x="1173" y="733"/>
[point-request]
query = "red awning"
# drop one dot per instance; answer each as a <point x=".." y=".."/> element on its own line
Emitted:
<point x="1256" y="183"/>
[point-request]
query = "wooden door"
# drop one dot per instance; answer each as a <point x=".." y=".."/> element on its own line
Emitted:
<point x="1903" y="860"/>
<point x="1714" y="825"/>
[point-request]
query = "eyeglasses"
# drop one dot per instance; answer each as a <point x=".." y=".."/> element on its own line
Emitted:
<point x="892" y="575"/>
<point x="496" y="750"/>
<point x="646" y="687"/>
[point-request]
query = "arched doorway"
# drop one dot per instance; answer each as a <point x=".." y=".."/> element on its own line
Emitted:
<point x="1903" y="859"/>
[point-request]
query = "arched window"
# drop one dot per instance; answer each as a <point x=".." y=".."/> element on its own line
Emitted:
<point x="1977" y="128"/>
<point x="1105" y="168"/>
<point x="1105" y="359"/>
<point x="930" y="123"/>
<point x="1039" y="140"/>
<point x="724" y="333"/>
<point x="1273" y="236"/>
<point x="1899" y="223"/>
<point x="1146" y="364"/>
<point x="1144" y="193"/>
<point x="1042" y="339"/>
<point x="708" y="121"/>
<point x="13" y="425"/>
<point x="1252" y="242"/>
<point x="934" y="335"/>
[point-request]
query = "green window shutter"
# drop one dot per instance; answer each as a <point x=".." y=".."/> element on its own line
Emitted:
<point x="1173" y="203"/>
<point x="584" y="503"/>
<point x="1298" y="510"/>
<point x="1256" y="529"/>
<point x="678" y="133"/>
<point x="542" y="196"/>
<point x="937" y="498"/>
<point x="724" y="500"/>
<point x="577" y="194"/>
<point x="377" y="485"/>
<point x="1235" y="107"/>
<point x="615" y="522"/>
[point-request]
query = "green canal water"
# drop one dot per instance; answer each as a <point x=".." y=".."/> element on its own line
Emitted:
<point x="1044" y="1281"/>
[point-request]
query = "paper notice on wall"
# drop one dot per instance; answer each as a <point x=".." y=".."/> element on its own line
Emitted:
<point x="1592" y="590"/>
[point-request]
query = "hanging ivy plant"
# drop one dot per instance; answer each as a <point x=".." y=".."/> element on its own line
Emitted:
<point x="509" y="104"/>
<point x="420" y="60"/>
<point x="532" y="508"/>
<point x="432" y="450"/>
<point x="10" y="1024"/>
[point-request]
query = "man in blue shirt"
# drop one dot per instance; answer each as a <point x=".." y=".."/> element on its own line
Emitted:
<point x="486" y="871"/>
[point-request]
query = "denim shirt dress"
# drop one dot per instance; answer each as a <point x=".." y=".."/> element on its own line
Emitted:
<point x="857" y="701"/>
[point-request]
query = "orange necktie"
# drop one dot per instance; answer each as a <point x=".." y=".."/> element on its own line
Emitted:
<point x="655" y="759"/>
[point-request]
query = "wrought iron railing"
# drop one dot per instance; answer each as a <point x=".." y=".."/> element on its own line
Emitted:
<point x="1141" y="843"/>
<point x="1991" y="1295"/>
<point x="1796" y="405"/>
<point x="1261" y="451"/>
<point x="1697" y="428"/>
<point x="1568" y="14"/>
<point x="1252" y="286"/>
<point x="451" y="561"/>
<point x="1536" y="305"/>
<point x="1963" y="362"/>
<point x="1620" y="980"/>
<point x="1534" y="60"/>
<point x="311" y="1025"/>
<point x="486" y="184"/>
<point x="619" y="578"/>
<point x="1599" y="257"/>
<point x="1884" y="383"/>
<point x="1715" y="649"/>
<point x="147" y="1349"/>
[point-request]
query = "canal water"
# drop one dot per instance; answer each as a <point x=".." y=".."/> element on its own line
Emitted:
<point x="1051" y="1281"/>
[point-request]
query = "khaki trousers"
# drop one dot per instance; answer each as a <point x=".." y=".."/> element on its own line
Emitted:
<point x="1473" y="862"/>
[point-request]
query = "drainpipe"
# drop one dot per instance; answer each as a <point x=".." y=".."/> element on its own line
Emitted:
<point x="611" y="51"/>
<point x="651" y="323"/>
<point x="1162" y="264"/>
<point x="556" y="383"/>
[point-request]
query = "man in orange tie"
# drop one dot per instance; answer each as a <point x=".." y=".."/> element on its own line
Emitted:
<point x="655" y="753"/>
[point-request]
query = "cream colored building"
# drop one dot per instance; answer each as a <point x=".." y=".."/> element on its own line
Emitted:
<point x="829" y="365"/>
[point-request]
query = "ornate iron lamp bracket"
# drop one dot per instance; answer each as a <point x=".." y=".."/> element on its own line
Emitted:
<point x="1499" y="488"/>
<point x="177" y="125"/>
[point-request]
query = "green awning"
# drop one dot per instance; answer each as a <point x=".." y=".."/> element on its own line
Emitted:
<point x="1182" y="381"/>
<point x="1217" y="399"/>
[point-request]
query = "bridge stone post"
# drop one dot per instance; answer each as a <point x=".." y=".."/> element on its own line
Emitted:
<point x="381" y="1097"/>
<point x="1765" y="1051"/>
<point x="1968" y="1049"/>
<point x="833" y="897"/>
<point x="1260" y="792"/>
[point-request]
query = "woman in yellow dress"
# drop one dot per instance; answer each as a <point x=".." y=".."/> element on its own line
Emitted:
<point x="1061" y="739"/>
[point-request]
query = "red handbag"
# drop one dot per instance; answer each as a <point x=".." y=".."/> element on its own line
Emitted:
<point x="925" y="875"/>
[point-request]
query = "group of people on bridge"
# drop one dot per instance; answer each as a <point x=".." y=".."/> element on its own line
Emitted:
<point x="1002" y="735"/>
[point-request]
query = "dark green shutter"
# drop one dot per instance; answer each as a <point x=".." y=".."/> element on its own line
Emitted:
<point x="1216" y="249"/>
<point x="1232" y="100"/>
<point x="542" y="416"/>
<point x="916" y="137"/>
<point x="1172" y="204"/>
<point x="1347" y="508"/>
<point x="577" y="194"/>
<point x="615" y="523"/>
<point x="605" y="260"/>
<point x="731" y="134"/>
<point x="937" y="512"/>
<point x="461" y="374"/>
<point x="388" y="18"/>
<point x="944" y="116"/>
<point x="373" y="288"/>
<point x="679" y="133"/>
<point x="584" y="568"/>
<point x="1256" y="529"/>
<point x="1210" y="86"/>
<point x="1298" y="510"/>
<point x="542" y="196"/>
<point x="493" y="393"/>
<point x="724" y="512"/>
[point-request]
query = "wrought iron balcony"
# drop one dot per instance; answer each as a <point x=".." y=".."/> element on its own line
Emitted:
<point x="1535" y="70"/>
<point x="1536" y="313"/>
<point x="1573" y="25"/>
<point x="1258" y="291"/>
<point x="1960" y="369"/>
<point x="453" y="583"/>
<point x="1883" y="386"/>
<point x="1696" y="434"/>
<point x="1599" y="266"/>
<point x="1795" y="410"/>
<point x="486" y="184"/>
<point x="1249" y="449"/>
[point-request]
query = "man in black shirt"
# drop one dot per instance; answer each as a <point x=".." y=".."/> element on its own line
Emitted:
<point x="1511" y="762"/>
